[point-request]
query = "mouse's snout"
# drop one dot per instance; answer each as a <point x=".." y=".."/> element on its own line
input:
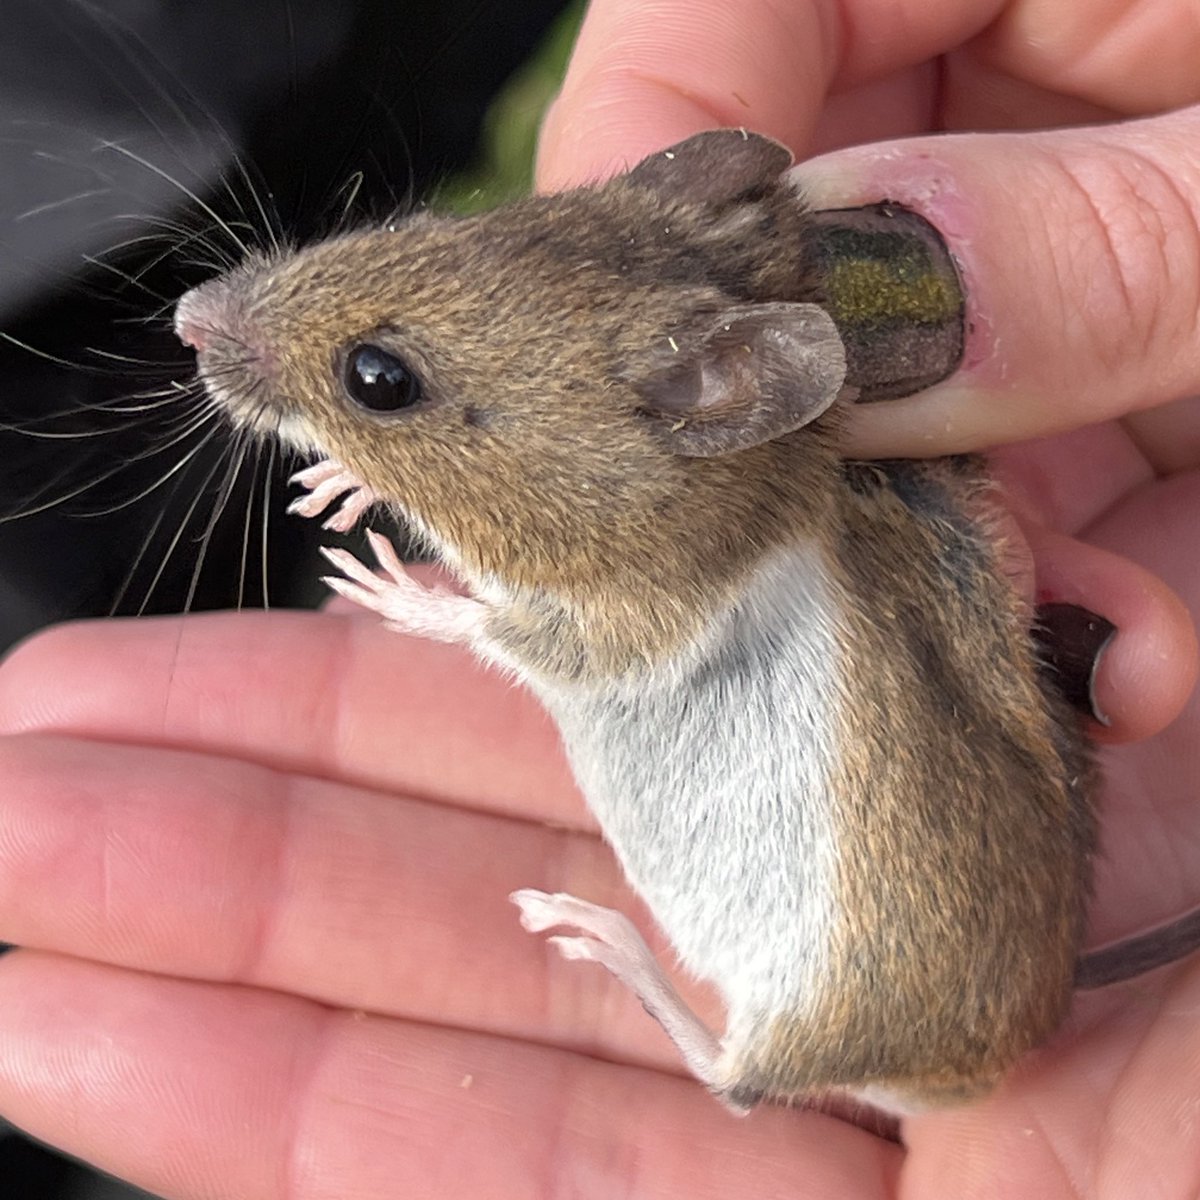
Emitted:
<point x="237" y="369"/>
<point x="203" y="314"/>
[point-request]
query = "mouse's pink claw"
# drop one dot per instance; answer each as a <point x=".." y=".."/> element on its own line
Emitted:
<point x="324" y="482"/>
<point x="309" y="477"/>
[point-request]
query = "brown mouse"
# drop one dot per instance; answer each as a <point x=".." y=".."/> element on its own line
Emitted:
<point x="799" y="693"/>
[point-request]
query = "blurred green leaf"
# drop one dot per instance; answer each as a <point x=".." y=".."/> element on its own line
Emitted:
<point x="509" y="137"/>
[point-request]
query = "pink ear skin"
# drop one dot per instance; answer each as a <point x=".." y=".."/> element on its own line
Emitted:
<point x="758" y="372"/>
<point x="715" y="167"/>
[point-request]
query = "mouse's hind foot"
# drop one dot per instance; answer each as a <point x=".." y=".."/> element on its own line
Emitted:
<point x="611" y="939"/>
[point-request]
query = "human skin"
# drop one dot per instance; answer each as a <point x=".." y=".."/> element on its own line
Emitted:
<point x="259" y="862"/>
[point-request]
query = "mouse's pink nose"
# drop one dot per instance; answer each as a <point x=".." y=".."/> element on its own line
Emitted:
<point x="202" y="314"/>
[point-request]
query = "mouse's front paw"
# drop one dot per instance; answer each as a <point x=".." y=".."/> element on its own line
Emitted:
<point x="325" y="482"/>
<point x="399" y="599"/>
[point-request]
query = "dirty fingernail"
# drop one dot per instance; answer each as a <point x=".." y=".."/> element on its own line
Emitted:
<point x="1072" y="641"/>
<point x="893" y="290"/>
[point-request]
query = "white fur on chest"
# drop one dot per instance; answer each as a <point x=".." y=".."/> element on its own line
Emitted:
<point x="712" y="783"/>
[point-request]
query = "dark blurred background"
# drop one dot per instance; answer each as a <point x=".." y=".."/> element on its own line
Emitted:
<point x="108" y="111"/>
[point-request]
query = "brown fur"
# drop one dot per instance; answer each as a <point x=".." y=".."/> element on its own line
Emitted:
<point x="967" y="833"/>
<point x="966" y="783"/>
<point x="562" y="490"/>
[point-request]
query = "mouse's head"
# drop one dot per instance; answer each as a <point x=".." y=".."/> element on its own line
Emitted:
<point x="554" y="386"/>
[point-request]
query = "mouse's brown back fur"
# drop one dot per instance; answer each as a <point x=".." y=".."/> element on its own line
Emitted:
<point x="969" y="827"/>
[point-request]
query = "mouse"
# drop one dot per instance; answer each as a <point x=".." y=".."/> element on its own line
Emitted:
<point x="800" y="693"/>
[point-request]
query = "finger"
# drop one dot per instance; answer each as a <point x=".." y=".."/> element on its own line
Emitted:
<point x="235" y="1092"/>
<point x="1065" y="482"/>
<point x="1168" y="437"/>
<point x="319" y="694"/>
<point x="644" y="75"/>
<point x="647" y="74"/>
<point x="1072" y="50"/>
<point x="1151" y="819"/>
<point x="1080" y="252"/>
<point x="1147" y="671"/>
<point x="882" y="110"/>
<point x="226" y="871"/>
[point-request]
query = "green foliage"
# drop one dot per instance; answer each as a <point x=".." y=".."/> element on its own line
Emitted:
<point x="508" y="142"/>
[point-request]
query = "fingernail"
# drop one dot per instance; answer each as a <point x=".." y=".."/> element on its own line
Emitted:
<point x="1072" y="641"/>
<point x="893" y="290"/>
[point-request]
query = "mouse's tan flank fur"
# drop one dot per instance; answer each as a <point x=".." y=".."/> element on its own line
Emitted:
<point x="800" y="694"/>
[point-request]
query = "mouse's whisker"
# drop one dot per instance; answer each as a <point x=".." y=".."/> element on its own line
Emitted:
<point x="123" y="408"/>
<point x="123" y="590"/>
<point x="177" y="236"/>
<point x="173" y="249"/>
<point x="133" y="360"/>
<point x="234" y="457"/>
<point x="179" y="471"/>
<point x="272" y="450"/>
<point x="63" y="202"/>
<point x="165" y="477"/>
<point x="166" y="176"/>
<point x="194" y="410"/>
<point x="351" y="188"/>
<point x="172" y="396"/>
<point x="45" y="355"/>
<point x="171" y="97"/>
<point x="251" y="493"/>
<point x="68" y="435"/>
<point x="124" y="276"/>
<point x="143" y="239"/>
<point x="173" y="545"/>
<point x="165" y="231"/>
<point x="150" y="68"/>
<point x="38" y="505"/>
<point x="401" y="139"/>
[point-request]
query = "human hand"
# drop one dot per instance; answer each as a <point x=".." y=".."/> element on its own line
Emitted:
<point x="259" y="865"/>
<point x="1080" y="248"/>
<point x="194" y="1021"/>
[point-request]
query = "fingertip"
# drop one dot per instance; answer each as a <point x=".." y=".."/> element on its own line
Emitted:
<point x="590" y="134"/>
<point x="1145" y="679"/>
<point x="645" y="74"/>
<point x="1144" y="673"/>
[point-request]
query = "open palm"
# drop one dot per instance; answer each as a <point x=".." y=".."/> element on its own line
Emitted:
<point x="259" y="865"/>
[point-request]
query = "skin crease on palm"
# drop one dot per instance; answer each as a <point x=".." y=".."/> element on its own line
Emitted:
<point x="259" y="862"/>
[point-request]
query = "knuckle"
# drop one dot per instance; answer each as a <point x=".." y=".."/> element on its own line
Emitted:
<point x="1135" y="256"/>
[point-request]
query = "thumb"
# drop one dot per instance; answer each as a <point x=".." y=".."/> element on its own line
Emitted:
<point x="1080" y="254"/>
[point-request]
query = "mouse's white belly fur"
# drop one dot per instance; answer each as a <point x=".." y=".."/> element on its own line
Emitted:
<point x="712" y="783"/>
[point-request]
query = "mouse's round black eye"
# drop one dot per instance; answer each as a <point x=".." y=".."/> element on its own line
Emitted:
<point x="379" y="381"/>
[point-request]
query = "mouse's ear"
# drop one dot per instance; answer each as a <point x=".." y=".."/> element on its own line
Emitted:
<point x="760" y="371"/>
<point x="717" y="167"/>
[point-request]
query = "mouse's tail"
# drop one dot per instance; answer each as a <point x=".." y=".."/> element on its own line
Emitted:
<point x="1136" y="955"/>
